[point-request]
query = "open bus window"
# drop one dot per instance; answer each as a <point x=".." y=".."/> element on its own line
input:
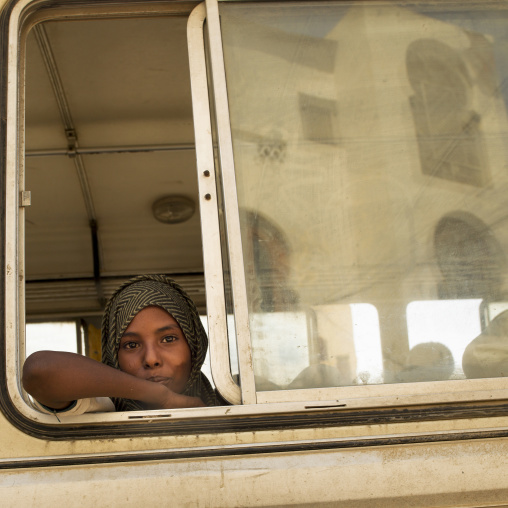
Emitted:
<point x="108" y="157"/>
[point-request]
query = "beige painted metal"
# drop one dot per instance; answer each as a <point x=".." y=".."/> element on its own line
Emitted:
<point x="434" y="475"/>
<point x="231" y="204"/>
<point x="14" y="222"/>
<point x="216" y="311"/>
<point x="469" y="473"/>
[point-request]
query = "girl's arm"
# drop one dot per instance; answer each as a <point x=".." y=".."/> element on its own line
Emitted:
<point x="56" y="379"/>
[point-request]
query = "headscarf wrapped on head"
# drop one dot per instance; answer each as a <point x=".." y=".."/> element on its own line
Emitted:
<point x="159" y="291"/>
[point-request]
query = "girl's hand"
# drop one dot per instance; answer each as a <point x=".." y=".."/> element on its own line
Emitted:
<point x="167" y="399"/>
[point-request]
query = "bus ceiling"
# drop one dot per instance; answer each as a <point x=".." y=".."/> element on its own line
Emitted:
<point x="109" y="160"/>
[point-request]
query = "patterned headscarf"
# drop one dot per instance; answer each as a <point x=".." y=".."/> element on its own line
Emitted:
<point x="160" y="291"/>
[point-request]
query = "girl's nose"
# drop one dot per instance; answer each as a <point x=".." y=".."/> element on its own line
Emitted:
<point x="152" y="358"/>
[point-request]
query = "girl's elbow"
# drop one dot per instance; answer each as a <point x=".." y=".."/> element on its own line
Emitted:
<point x="35" y="369"/>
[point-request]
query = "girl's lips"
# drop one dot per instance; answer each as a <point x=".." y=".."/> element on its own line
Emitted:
<point x="158" y="379"/>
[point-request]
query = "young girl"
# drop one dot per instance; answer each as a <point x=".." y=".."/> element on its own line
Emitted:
<point x="153" y="347"/>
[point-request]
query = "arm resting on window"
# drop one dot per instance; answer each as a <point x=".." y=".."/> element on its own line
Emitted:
<point x="56" y="379"/>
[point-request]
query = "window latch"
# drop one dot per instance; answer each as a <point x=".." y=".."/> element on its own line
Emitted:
<point x="25" y="198"/>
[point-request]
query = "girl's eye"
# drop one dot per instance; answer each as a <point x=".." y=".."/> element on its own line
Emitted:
<point x="129" y="345"/>
<point x="169" y="338"/>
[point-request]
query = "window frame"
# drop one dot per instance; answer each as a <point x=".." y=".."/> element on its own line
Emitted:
<point x="281" y="409"/>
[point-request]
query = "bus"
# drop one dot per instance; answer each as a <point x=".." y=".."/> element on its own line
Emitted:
<point x="325" y="179"/>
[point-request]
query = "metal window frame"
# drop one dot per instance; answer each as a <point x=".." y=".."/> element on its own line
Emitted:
<point x="306" y="405"/>
<point x="232" y="216"/>
<point x="208" y="206"/>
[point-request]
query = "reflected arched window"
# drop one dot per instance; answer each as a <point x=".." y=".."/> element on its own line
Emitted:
<point x="470" y="258"/>
<point x="267" y="258"/>
<point x="448" y="130"/>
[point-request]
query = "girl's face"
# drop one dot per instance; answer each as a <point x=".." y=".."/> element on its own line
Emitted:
<point x="153" y="347"/>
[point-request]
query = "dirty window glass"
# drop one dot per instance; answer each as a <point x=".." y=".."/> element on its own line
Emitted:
<point x="371" y="166"/>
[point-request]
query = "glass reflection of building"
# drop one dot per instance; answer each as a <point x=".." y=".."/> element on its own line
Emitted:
<point x="376" y="143"/>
